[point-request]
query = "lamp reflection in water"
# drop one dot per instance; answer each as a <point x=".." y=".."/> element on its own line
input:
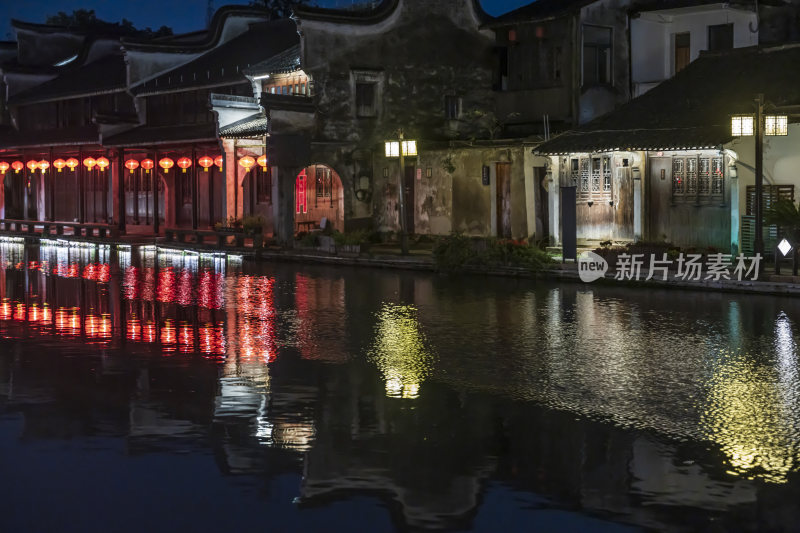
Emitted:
<point x="400" y="351"/>
<point x="747" y="412"/>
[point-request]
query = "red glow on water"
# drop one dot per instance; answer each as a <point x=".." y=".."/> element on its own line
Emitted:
<point x="168" y="336"/>
<point x="186" y="338"/>
<point x="149" y="333"/>
<point x="166" y="285"/>
<point x="149" y="284"/>
<point x="6" y="311"/>
<point x="19" y="312"/>
<point x="130" y="283"/>
<point x="134" y="330"/>
<point x="186" y="288"/>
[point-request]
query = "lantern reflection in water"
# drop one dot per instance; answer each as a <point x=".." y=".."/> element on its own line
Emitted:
<point x="256" y="331"/>
<point x="6" y="311"/>
<point x="168" y="336"/>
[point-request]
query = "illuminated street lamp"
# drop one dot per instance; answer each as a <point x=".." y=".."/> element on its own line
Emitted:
<point x="401" y="149"/>
<point x="759" y="125"/>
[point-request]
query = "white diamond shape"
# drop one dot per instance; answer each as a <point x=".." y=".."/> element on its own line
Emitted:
<point x="785" y="247"/>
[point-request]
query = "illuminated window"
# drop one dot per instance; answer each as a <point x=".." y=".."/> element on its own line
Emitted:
<point x="300" y="193"/>
<point x="324" y="185"/>
<point x="742" y="125"/>
<point x="776" y="125"/>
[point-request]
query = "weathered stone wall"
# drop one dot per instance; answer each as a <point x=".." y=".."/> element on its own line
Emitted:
<point x="416" y="56"/>
<point x="454" y="197"/>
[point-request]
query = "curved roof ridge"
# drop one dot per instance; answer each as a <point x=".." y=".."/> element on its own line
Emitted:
<point x="209" y="40"/>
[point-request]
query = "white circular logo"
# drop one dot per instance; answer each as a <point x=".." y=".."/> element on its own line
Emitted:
<point x="591" y="267"/>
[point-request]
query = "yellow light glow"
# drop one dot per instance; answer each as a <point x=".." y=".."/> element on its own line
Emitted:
<point x="742" y="125"/>
<point x="776" y="125"/>
<point x="400" y="351"/>
<point x="410" y="148"/>
<point x="392" y="149"/>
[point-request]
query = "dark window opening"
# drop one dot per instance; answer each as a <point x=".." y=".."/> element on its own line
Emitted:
<point x="365" y="100"/>
<point x="596" y="56"/>
<point x="720" y="37"/>
<point x="264" y="185"/>
<point x="452" y="107"/>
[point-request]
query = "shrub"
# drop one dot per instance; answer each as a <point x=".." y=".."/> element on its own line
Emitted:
<point x="308" y="240"/>
<point x="457" y="251"/>
<point x="351" y="238"/>
<point x="253" y="224"/>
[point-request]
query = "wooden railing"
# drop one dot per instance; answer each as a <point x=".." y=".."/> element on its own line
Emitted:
<point x="219" y="239"/>
<point x="41" y="228"/>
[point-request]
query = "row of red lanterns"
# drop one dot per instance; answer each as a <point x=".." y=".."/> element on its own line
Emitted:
<point x="102" y="163"/>
<point x="44" y="164"/>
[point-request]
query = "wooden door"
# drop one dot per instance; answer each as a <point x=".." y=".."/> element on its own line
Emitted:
<point x="503" y="200"/>
<point x="408" y="197"/>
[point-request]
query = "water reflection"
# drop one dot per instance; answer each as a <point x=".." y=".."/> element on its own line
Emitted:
<point x="400" y="351"/>
<point x="450" y="401"/>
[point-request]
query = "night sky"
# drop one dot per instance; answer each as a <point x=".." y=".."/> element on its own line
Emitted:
<point x="180" y="15"/>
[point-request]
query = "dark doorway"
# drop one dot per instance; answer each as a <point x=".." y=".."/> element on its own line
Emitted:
<point x="542" y="213"/>
<point x="504" y="200"/>
<point x="408" y="198"/>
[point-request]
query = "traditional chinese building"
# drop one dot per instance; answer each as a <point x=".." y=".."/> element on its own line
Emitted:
<point x="672" y="169"/>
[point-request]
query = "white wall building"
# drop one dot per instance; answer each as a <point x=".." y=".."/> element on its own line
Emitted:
<point x="666" y="40"/>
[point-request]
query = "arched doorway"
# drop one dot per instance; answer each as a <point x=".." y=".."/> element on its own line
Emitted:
<point x="318" y="194"/>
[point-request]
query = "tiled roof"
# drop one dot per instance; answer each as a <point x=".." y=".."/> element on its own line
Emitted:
<point x="256" y="125"/>
<point x="286" y="61"/>
<point x="364" y="15"/>
<point x="11" y="138"/>
<point x="157" y="135"/>
<point x="539" y="10"/>
<point x="102" y="76"/>
<point x="692" y="109"/>
<point x="224" y="64"/>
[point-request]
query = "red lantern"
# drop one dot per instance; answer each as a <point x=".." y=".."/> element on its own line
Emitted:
<point x="218" y="161"/>
<point x="247" y="163"/>
<point x="205" y="162"/>
<point x="102" y="163"/>
<point x="262" y="162"/>
<point x="184" y="163"/>
<point x="147" y="165"/>
<point x="44" y="165"/>
<point x="59" y="164"/>
<point x="32" y="165"/>
<point x="89" y="163"/>
<point x="72" y="163"/>
<point x="3" y="167"/>
<point x="166" y="163"/>
<point x="131" y="164"/>
<point x="17" y="166"/>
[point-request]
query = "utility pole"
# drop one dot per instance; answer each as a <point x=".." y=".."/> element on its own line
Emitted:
<point x="401" y="192"/>
<point x="758" y="244"/>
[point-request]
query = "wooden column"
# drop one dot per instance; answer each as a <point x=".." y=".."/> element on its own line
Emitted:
<point x="194" y="188"/>
<point x="52" y="189"/>
<point x="81" y="196"/>
<point x="155" y="192"/>
<point x="211" y="172"/>
<point x="122" y="211"/>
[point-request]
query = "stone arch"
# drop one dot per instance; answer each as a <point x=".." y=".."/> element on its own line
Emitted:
<point x="318" y="194"/>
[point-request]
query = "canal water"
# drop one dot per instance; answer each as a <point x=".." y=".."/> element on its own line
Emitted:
<point x="146" y="390"/>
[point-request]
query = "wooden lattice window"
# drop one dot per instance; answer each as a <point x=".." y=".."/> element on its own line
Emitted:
<point x="324" y="183"/>
<point x="592" y="177"/>
<point x="695" y="178"/>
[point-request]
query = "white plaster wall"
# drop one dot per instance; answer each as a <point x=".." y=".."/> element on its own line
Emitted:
<point x="145" y="65"/>
<point x="652" y="38"/>
<point x="781" y="162"/>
